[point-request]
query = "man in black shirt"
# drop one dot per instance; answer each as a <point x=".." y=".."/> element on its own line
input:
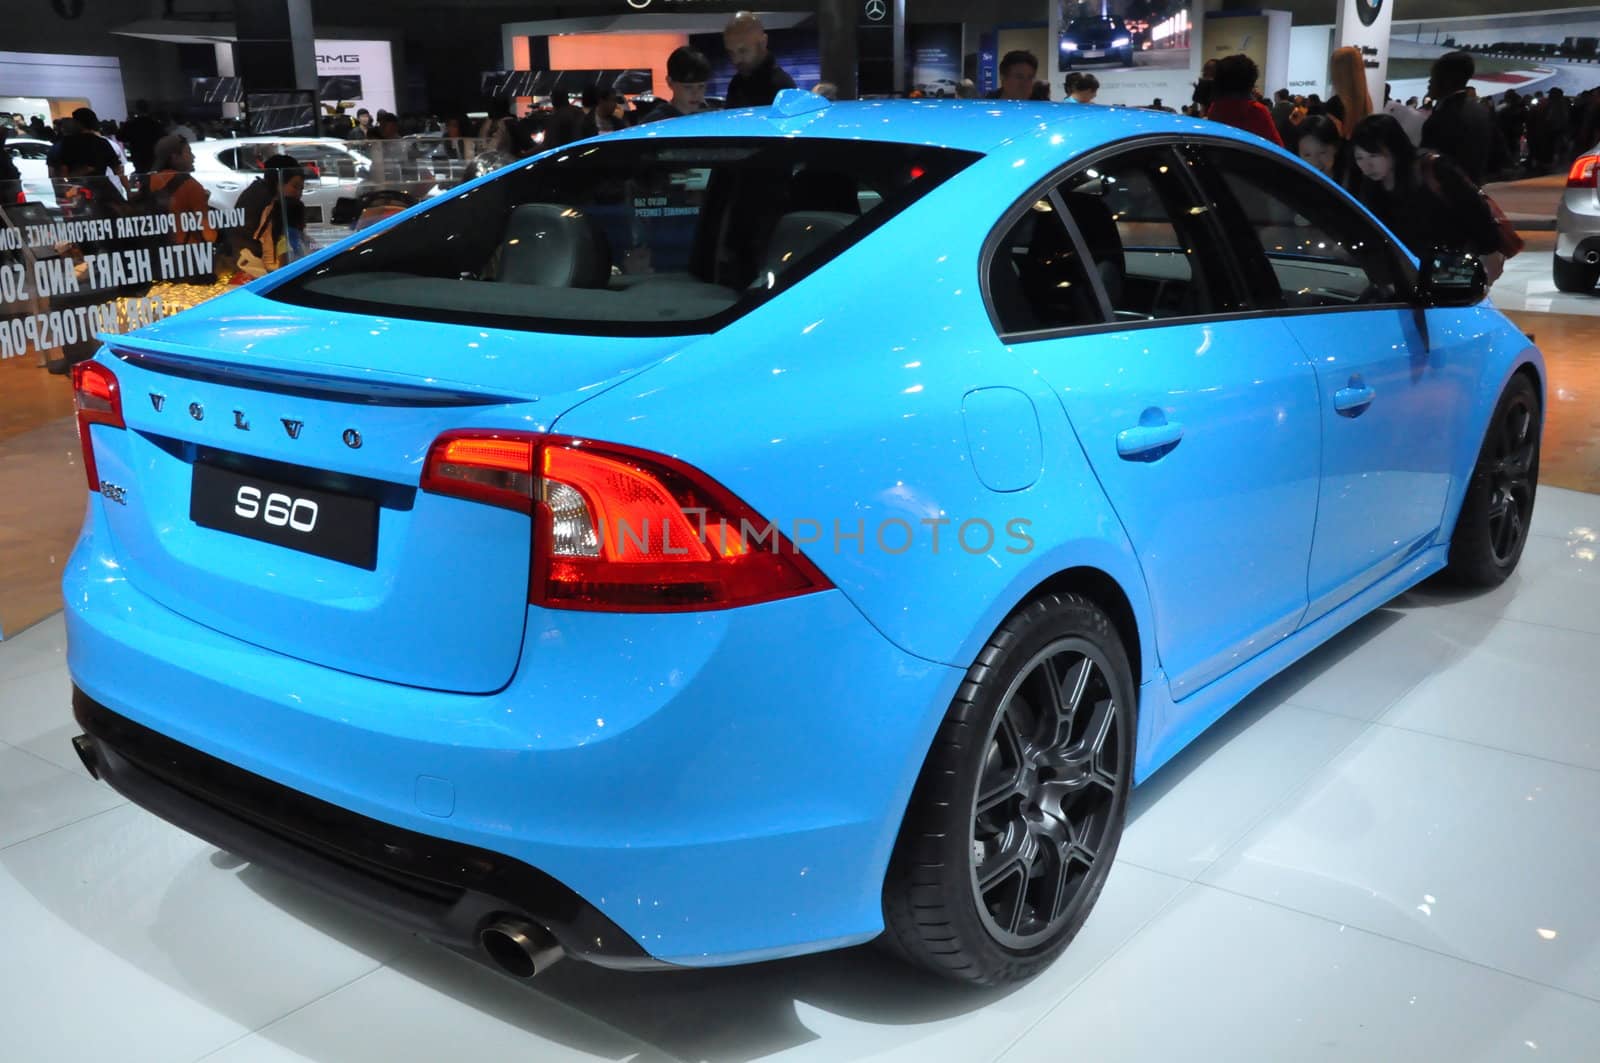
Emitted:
<point x="687" y="74"/>
<point x="566" y="120"/>
<point x="1459" y="128"/>
<point x="760" y="78"/>
<point x="139" y="135"/>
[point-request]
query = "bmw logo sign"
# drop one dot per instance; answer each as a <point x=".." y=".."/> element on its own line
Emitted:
<point x="1369" y="10"/>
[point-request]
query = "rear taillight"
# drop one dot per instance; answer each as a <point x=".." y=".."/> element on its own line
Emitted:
<point x="1582" y="174"/>
<point x="622" y="530"/>
<point x="99" y="401"/>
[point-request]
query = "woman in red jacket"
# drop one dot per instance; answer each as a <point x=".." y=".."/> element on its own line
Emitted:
<point x="1233" y="101"/>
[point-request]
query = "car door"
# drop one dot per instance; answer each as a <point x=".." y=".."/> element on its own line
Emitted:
<point x="1388" y="403"/>
<point x="1200" y="422"/>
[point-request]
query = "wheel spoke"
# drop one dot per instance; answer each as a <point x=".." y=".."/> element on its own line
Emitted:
<point x="1499" y="507"/>
<point x="1509" y="535"/>
<point x="1002" y="781"/>
<point x="1016" y="855"/>
<point x="999" y="793"/>
<point x="1077" y="682"/>
<point x="1019" y="907"/>
<point x="1062" y="892"/>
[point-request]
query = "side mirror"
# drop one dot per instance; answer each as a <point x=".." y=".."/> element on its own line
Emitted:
<point x="345" y="169"/>
<point x="1452" y="278"/>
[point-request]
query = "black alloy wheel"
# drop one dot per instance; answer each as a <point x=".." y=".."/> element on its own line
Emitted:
<point x="1498" y="507"/>
<point x="1046" y="794"/>
<point x="1016" y="817"/>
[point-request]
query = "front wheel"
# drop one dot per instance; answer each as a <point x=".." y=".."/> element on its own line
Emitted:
<point x="1573" y="276"/>
<point x="1498" y="507"/>
<point x="1016" y="817"/>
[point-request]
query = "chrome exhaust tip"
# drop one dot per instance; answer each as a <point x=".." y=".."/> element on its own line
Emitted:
<point x="83" y="745"/>
<point x="520" y="948"/>
<point x="1592" y="258"/>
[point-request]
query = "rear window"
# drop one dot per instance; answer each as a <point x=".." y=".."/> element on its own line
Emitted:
<point x="630" y="237"/>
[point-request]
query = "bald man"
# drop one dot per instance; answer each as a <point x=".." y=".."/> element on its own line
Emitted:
<point x="760" y="78"/>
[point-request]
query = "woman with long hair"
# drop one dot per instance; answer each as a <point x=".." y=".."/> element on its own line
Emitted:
<point x="1351" y="103"/>
<point x="1425" y="199"/>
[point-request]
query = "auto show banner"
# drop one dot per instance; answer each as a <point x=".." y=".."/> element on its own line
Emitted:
<point x="102" y="264"/>
<point x="1365" y="24"/>
<point x="1165" y="51"/>
<point x="356" y="74"/>
<point x="935" y="52"/>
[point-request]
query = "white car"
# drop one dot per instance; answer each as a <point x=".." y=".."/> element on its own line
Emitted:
<point x="333" y="169"/>
<point x="29" y="155"/>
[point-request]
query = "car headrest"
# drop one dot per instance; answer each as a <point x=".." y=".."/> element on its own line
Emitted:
<point x="824" y="190"/>
<point x="796" y="235"/>
<point x="554" y="246"/>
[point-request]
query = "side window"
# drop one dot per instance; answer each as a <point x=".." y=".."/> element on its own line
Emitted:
<point x="1036" y="279"/>
<point x="1148" y="237"/>
<point x="1322" y="252"/>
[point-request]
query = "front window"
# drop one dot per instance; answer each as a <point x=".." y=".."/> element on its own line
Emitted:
<point x="630" y="237"/>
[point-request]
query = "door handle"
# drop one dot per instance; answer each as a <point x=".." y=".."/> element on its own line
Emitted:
<point x="1148" y="442"/>
<point x="1354" y="400"/>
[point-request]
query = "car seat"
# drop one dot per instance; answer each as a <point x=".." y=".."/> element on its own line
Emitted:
<point x="554" y="246"/>
<point x="796" y="236"/>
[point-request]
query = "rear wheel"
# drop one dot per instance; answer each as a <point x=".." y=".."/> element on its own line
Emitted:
<point x="1573" y="276"/>
<point x="1016" y="818"/>
<point x="1495" y="514"/>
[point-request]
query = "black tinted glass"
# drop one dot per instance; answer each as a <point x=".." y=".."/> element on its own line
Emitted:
<point x="631" y="236"/>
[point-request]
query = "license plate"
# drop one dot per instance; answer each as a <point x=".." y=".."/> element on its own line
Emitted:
<point x="1095" y="53"/>
<point x="338" y="527"/>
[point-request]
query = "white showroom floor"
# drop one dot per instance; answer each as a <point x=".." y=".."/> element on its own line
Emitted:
<point x="1391" y="853"/>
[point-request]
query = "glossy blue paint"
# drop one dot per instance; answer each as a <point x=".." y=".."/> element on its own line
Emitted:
<point x="727" y="786"/>
<point x="1003" y="438"/>
<point x="1383" y="385"/>
<point x="695" y="776"/>
<point x="1239" y="483"/>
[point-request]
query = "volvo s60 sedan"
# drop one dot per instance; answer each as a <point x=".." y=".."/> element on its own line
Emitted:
<point x="770" y="531"/>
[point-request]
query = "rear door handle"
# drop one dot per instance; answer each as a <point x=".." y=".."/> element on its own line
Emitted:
<point x="1148" y="442"/>
<point x="1353" y="401"/>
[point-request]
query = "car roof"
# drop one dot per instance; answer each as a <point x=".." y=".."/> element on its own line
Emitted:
<point x="981" y="126"/>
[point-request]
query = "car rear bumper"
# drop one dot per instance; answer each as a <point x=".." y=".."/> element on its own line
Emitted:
<point x="443" y="890"/>
<point x="1577" y="224"/>
<point x="721" y="787"/>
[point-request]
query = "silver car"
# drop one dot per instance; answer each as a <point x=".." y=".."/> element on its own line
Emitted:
<point x="334" y="169"/>
<point x="1576" y="266"/>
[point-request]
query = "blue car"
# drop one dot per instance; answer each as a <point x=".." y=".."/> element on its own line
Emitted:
<point x="767" y="532"/>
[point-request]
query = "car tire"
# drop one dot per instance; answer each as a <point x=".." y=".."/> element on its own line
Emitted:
<point x="1034" y="799"/>
<point x="1573" y="276"/>
<point x="1497" y="510"/>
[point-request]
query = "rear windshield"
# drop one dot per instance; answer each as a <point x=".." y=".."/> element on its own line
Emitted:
<point x="630" y="237"/>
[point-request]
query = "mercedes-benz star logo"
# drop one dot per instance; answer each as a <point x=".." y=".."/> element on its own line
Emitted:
<point x="877" y="10"/>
